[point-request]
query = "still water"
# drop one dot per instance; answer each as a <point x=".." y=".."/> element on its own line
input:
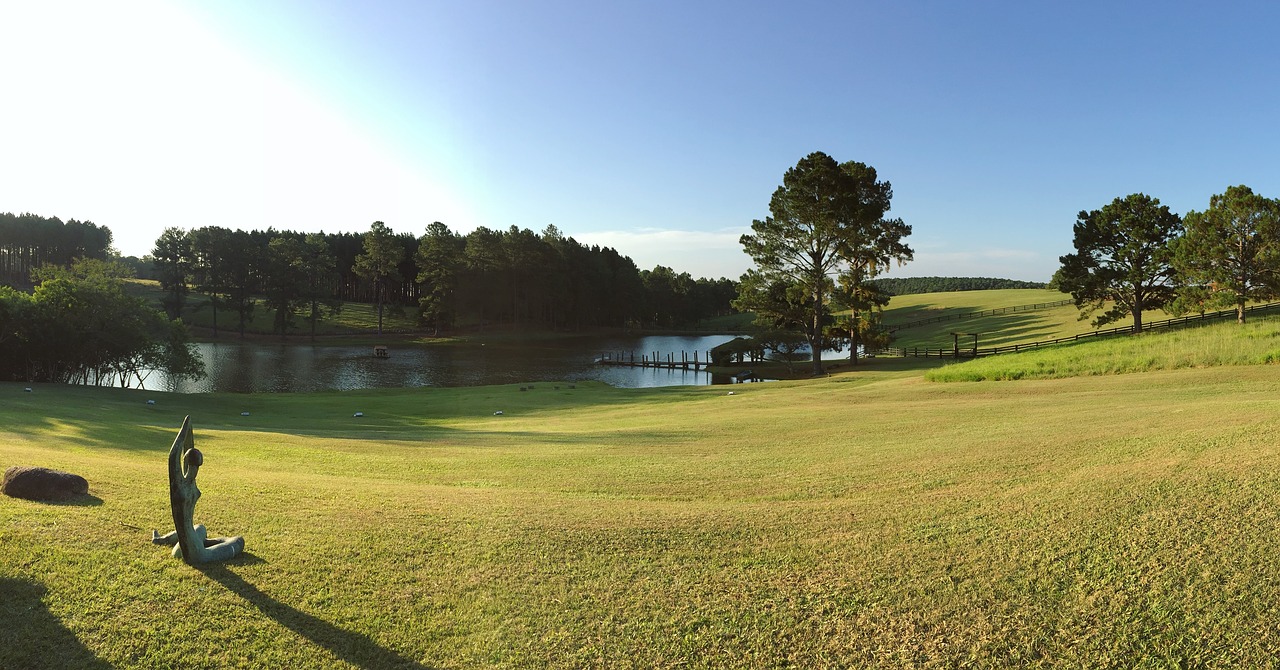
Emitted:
<point x="248" y="367"/>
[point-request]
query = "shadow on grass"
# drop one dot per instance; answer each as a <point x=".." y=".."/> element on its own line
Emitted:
<point x="99" y="417"/>
<point x="992" y="331"/>
<point x="32" y="637"/>
<point x="354" y="648"/>
<point x="82" y="500"/>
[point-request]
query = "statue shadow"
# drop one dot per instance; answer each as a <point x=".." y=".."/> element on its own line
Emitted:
<point x="354" y="648"/>
<point x="32" y="637"/>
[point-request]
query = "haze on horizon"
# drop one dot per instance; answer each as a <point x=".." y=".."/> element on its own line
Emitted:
<point x="660" y="129"/>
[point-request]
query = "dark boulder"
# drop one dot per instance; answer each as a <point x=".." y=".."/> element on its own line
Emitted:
<point x="32" y="483"/>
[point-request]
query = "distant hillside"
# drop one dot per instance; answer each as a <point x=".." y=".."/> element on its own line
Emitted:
<point x="910" y="285"/>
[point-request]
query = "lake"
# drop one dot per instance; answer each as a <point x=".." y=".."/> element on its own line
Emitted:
<point x="253" y="366"/>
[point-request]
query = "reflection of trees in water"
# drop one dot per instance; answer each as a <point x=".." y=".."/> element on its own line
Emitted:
<point x="249" y="366"/>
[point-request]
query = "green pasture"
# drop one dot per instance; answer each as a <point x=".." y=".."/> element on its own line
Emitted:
<point x="993" y="331"/>
<point x="916" y="306"/>
<point x="869" y="519"/>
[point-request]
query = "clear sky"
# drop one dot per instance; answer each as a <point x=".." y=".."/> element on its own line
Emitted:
<point x="658" y="128"/>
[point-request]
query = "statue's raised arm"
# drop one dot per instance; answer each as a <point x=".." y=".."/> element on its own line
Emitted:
<point x="191" y="540"/>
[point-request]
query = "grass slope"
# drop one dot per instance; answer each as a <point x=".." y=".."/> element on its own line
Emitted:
<point x="994" y="331"/>
<point x="872" y="519"/>
<point x="1212" y="344"/>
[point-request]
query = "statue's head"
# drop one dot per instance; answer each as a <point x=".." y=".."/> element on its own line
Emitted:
<point x="191" y="462"/>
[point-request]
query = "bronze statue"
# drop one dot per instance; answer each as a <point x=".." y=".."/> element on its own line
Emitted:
<point x="189" y="541"/>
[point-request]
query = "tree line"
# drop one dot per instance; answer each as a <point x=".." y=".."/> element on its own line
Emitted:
<point x="28" y="242"/>
<point x="911" y="285"/>
<point x="485" y="278"/>
<point x="1134" y="255"/>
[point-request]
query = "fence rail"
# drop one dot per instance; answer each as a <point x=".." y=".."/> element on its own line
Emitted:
<point x="970" y="352"/>
<point x="975" y="315"/>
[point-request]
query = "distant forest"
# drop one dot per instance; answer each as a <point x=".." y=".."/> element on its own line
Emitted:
<point x="911" y="285"/>
<point x="486" y="277"/>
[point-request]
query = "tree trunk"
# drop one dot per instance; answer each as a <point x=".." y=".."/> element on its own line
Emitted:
<point x="1137" y="320"/>
<point x="378" y="295"/>
<point x="1240" y="311"/>
<point x="815" y="346"/>
<point x="853" y="344"/>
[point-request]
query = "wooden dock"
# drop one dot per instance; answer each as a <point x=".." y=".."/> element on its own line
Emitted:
<point x="654" y="359"/>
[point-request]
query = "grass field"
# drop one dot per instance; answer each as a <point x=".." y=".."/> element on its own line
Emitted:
<point x="993" y="331"/>
<point x="1211" y="344"/>
<point x="868" y="519"/>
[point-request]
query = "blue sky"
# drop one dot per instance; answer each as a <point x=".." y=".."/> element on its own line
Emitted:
<point x="658" y="128"/>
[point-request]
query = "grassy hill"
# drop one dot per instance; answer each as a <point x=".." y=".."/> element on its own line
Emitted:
<point x="993" y="331"/>
<point x="870" y="519"/>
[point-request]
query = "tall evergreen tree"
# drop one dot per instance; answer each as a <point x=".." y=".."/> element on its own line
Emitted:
<point x="283" y="280"/>
<point x="439" y="261"/>
<point x="1230" y="254"/>
<point x="379" y="262"/>
<point x="319" y="273"/>
<point x="825" y="215"/>
<point x="173" y="260"/>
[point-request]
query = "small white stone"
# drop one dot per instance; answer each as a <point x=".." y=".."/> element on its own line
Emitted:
<point x="244" y="414"/>
<point x="498" y="413"/>
<point x="730" y="392"/>
<point x="28" y="389"/>
<point x="151" y="402"/>
<point x="358" y="414"/>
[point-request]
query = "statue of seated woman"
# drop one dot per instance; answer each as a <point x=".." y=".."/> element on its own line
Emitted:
<point x="191" y="541"/>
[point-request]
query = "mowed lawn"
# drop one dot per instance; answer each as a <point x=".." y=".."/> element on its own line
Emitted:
<point x="868" y="519"/>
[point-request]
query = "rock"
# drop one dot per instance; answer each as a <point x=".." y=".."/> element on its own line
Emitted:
<point x="358" y="414"/>
<point x="33" y="483"/>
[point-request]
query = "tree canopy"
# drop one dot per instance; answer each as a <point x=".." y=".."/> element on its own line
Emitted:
<point x="1123" y="264"/>
<point x="1230" y="253"/>
<point x="79" y="325"/>
<point x="827" y="218"/>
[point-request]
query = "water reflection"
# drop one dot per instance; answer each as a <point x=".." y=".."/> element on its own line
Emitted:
<point x="272" y="367"/>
